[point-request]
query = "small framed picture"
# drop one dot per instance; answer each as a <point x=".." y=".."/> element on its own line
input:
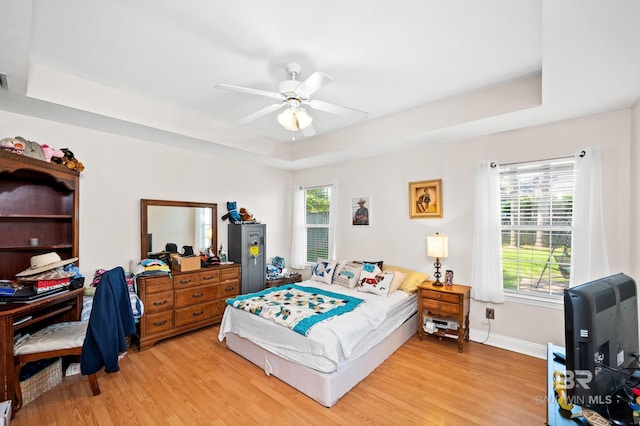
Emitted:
<point x="361" y="211"/>
<point x="425" y="199"/>
<point x="448" y="277"/>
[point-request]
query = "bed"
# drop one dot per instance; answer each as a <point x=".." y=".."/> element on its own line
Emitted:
<point x="335" y="354"/>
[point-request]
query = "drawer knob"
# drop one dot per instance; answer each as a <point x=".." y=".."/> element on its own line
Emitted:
<point x="229" y="288"/>
<point x="164" y="302"/>
<point x="197" y="314"/>
<point x="186" y="281"/>
<point x="197" y="296"/>
<point x="208" y="277"/>
<point x="159" y="323"/>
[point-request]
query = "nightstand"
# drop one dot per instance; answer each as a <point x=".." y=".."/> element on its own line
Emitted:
<point x="448" y="307"/>
<point x="295" y="278"/>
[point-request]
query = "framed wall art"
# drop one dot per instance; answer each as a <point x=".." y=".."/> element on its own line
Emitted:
<point x="361" y="211"/>
<point x="425" y="199"/>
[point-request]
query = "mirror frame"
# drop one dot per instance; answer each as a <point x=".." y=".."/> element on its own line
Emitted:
<point x="144" y="203"/>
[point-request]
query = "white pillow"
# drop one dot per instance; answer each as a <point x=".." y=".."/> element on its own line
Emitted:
<point x="379" y="284"/>
<point x="323" y="271"/>
<point x="347" y="274"/>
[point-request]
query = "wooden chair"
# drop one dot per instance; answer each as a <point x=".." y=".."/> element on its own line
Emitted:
<point x="56" y="340"/>
<point x="98" y="341"/>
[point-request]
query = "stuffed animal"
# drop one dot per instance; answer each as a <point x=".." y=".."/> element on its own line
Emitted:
<point x="246" y="215"/>
<point x="12" y="145"/>
<point x="50" y="153"/>
<point x="69" y="160"/>
<point x="232" y="213"/>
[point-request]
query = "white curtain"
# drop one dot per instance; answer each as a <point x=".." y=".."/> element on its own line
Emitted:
<point x="486" y="265"/>
<point x="589" y="259"/>
<point x="299" y="231"/>
<point x="333" y="219"/>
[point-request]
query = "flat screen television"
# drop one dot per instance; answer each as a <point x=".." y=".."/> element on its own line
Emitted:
<point x="601" y="336"/>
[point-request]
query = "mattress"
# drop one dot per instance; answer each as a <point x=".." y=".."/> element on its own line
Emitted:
<point x="330" y="345"/>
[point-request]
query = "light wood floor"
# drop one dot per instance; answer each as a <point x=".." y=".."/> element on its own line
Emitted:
<point x="195" y="380"/>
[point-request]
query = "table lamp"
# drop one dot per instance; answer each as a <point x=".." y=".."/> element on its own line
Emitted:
<point x="438" y="247"/>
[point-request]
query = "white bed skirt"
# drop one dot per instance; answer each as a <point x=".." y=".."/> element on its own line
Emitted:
<point x="325" y="388"/>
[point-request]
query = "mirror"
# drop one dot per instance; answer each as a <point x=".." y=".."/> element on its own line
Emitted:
<point x="182" y="223"/>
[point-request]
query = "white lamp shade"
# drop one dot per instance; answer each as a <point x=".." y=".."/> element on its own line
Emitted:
<point x="303" y="118"/>
<point x="294" y="120"/>
<point x="288" y="120"/>
<point x="438" y="246"/>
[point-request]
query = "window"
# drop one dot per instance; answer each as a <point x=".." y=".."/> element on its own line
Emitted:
<point x="317" y="206"/>
<point x="536" y="203"/>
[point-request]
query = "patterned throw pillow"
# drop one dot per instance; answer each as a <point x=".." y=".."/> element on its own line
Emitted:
<point x="379" y="284"/>
<point x="323" y="271"/>
<point x="369" y="270"/>
<point x="347" y="274"/>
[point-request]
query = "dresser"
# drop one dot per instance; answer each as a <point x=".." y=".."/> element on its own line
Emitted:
<point x="446" y="306"/>
<point x="184" y="301"/>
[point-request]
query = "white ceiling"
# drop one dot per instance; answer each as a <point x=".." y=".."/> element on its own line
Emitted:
<point x="426" y="71"/>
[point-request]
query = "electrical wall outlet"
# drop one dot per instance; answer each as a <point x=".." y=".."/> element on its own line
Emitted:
<point x="490" y="313"/>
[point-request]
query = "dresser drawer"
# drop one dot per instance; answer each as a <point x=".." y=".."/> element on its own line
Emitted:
<point x="156" y="323"/>
<point x="195" y="313"/>
<point x="158" y="284"/>
<point x="158" y="302"/>
<point x="227" y="274"/>
<point x="186" y="280"/>
<point x="441" y="307"/>
<point x="228" y="289"/>
<point x="209" y="277"/>
<point x="219" y="307"/>
<point x="198" y="294"/>
<point x="438" y="295"/>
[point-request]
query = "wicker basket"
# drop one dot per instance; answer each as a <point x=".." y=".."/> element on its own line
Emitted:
<point x="41" y="382"/>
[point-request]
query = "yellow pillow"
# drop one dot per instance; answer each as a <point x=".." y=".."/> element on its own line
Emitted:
<point x="414" y="278"/>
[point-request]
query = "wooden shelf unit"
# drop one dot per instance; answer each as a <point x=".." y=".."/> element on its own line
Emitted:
<point x="37" y="200"/>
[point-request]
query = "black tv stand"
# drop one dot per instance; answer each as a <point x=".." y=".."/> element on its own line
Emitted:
<point x="618" y="411"/>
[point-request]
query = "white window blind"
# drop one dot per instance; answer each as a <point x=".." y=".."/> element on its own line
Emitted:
<point x="317" y="202"/>
<point x="537" y="225"/>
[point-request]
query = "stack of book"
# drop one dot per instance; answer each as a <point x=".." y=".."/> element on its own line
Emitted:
<point x="43" y="286"/>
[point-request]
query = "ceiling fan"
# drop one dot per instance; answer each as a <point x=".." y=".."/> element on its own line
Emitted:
<point x="293" y="94"/>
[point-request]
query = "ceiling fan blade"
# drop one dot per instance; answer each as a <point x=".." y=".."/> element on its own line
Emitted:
<point x="350" y="113"/>
<point x="309" y="131"/>
<point x="312" y="84"/>
<point x="250" y="91"/>
<point x="261" y="113"/>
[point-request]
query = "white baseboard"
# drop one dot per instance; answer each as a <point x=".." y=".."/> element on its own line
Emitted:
<point x="509" y="343"/>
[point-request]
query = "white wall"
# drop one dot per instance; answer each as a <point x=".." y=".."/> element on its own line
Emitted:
<point x="396" y="239"/>
<point x="120" y="171"/>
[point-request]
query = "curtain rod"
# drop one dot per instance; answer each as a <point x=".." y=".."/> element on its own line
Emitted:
<point x="316" y="186"/>
<point x="494" y="164"/>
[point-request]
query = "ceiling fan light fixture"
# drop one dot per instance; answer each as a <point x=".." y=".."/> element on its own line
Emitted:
<point x="294" y="120"/>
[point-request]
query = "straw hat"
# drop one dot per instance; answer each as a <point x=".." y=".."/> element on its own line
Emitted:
<point x="45" y="262"/>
